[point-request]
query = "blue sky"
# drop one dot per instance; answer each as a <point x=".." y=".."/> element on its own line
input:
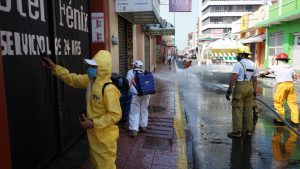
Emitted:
<point x="185" y="22"/>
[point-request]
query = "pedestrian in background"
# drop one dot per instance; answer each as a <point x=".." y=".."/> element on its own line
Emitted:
<point x="243" y="82"/>
<point x="169" y="61"/>
<point x="163" y="60"/>
<point x="138" y="115"/>
<point x="285" y="90"/>
<point x="103" y="111"/>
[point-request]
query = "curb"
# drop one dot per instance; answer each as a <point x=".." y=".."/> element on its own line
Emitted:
<point x="180" y="133"/>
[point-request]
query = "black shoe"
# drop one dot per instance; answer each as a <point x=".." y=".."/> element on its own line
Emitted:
<point x="294" y="124"/>
<point x="248" y="133"/>
<point x="132" y="133"/>
<point x="234" y="134"/>
<point x="280" y="123"/>
<point x="143" y="129"/>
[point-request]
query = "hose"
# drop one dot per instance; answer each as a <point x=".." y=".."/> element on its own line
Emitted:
<point x="275" y="112"/>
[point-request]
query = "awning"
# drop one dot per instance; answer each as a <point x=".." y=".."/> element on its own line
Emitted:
<point x="229" y="59"/>
<point x="227" y="45"/>
<point x="164" y="28"/>
<point x="138" y="12"/>
<point x="254" y="39"/>
<point x="276" y="21"/>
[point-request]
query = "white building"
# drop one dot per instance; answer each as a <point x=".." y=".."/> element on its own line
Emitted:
<point x="216" y="16"/>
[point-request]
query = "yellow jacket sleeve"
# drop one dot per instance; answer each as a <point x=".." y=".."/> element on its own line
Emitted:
<point x="72" y="79"/>
<point x="112" y="104"/>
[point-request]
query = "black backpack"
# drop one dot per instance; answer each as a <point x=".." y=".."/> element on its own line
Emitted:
<point x="125" y="100"/>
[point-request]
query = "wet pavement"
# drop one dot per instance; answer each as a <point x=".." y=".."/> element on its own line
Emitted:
<point x="202" y="92"/>
<point x="157" y="148"/>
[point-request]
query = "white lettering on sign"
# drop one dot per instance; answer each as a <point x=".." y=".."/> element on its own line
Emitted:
<point x="72" y="17"/>
<point x="76" y="47"/>
<point x="57" y="46"/>
<point x="5" y="6"/>
<point x="15" y="43"/>
<point x="35" y="10"/>
<point x="64" y="47"/>
<point x="34" y="14"/>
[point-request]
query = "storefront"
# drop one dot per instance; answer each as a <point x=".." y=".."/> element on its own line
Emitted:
<point x="136" y="44"/>
<point x="283" y="32"/>
<point x="158" y="31"/>
<point x="252" y="36"/>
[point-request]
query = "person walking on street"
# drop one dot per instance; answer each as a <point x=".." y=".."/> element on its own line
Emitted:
<point x="163" y="60"/>
<point x="242" y="85"/>
<point x="103" y="111"/>
<point x="169" y="61"/>
<point x="138" y="115"/>
<point x="285" y="90"/>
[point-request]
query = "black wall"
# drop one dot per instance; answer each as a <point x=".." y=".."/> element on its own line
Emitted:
<point x="42" y="111"/>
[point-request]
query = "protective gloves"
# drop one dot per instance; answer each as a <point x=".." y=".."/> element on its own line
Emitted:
<point x="262" y="75"/>
<point x="228" y="93"/>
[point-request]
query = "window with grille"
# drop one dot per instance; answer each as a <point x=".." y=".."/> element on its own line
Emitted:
<point x="275" y="47"/>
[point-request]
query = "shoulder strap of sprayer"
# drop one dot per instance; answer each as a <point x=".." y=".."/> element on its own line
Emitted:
<point x="105" y="84"/>
<point x="246" y="70"/>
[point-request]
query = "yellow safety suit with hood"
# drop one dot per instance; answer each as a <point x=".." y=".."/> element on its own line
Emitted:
<point x="104" y="111"/>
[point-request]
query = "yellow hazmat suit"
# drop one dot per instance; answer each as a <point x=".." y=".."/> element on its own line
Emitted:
<point x="104" y="111"/>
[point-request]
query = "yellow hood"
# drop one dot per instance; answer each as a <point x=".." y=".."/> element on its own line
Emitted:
<point x="104" y="62"/>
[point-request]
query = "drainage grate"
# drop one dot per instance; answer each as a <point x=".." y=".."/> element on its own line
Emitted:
<point x="152" y="109"/>
<point x="156" y="143"/>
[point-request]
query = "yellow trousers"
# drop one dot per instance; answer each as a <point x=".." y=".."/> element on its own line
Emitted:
<point x="286" y="91"/>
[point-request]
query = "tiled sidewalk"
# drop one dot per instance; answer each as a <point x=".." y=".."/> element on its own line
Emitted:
<point x="157" y="148"/>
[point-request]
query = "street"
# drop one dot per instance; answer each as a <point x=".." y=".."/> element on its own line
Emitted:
<point x="202" y="94"/>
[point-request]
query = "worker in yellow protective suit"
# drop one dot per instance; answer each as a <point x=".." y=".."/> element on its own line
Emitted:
<point x="285" y="90"/>
<point x="103" y="111"/>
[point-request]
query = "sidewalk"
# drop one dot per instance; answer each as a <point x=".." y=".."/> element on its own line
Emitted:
<point x="160" y="147"/>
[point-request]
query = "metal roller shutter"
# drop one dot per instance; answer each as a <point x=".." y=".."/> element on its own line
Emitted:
<point x="147" y="53"/>
<point x="122" y="46"/>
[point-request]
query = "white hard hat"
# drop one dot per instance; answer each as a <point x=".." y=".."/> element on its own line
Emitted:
<point x="138" y="63"/>
<point x="90" y="62"/>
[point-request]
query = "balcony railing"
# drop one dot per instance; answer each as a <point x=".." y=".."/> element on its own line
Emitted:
<point x="217" y="23"/>
<point x="220" y="11"/>
<point x="227" y="1"/>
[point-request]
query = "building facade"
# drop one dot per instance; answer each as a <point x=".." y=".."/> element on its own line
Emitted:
<point x="252" y="36"/>
<point x="217" y="15"/>
<point x="283" y="33"/>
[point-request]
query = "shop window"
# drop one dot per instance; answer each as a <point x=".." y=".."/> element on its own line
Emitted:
<point x="276" y="46"/>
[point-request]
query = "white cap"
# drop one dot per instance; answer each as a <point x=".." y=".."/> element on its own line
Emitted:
<point x="138" y="63"/>
<point x="90" y="62"/>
